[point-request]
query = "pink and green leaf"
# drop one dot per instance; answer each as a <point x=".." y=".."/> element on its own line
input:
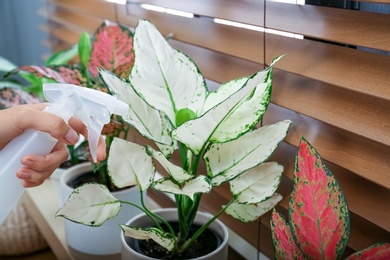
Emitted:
<point x="11" y="96"/>
<point x="283" y="241"/>
<point x="62" y="74"/>
<point x="112" y="49"/>
<point x="378" y="252"/>
<point x="318" y="212"/>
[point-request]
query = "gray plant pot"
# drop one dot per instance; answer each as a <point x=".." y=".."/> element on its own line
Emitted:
<point x="170" y="214"/>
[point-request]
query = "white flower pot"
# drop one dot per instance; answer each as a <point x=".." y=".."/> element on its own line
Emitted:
<point x="170" y="214"/>
<point x="103" y="240"/>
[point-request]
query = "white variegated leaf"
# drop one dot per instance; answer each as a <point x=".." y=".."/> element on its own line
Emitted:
<point x="129" y="164"/>
<point x="167" y="79"/>
<point x="148" y="121"/>
<point x="246" y="115"/>
<point x="251" y="212"/>
<point x="222" y="93"/>
<point x="176" y="172"/>
<point x="149" y="233"/>
<point x="196" y="133"/>
<point x="225" y="161"/>
<point x="90" y="204"/>
<point x="257" y="184"/>
<point x="200" y="184"/>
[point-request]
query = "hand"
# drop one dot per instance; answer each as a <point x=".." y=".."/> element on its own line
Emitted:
<point x="37" y="168"/>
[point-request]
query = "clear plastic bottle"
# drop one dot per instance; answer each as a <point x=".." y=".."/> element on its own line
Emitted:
<point x="93" y="107"/>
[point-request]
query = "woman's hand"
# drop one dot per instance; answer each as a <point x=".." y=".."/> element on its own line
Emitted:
<point x="38" y="168"/>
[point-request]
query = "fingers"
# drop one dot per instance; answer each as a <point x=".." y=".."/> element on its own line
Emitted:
<point x="38" y="168"/>
<point x="31" y="116"/>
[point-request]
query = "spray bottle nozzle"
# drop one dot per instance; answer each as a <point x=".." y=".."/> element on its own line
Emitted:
<point x="93" y="107"/>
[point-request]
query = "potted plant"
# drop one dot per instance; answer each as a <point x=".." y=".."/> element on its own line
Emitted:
<point x="316" y="196"/>
<point x="171" y="106"/>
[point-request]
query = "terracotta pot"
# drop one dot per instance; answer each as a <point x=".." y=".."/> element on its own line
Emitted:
<point x="170" y="214"/>
<point x="103" y="240"/>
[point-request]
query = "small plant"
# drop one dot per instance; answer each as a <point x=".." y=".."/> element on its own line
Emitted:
<point x="318" y="216"/>
<point x="170" y="104"/>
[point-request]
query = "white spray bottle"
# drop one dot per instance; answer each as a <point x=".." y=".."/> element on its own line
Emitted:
<point x="93" y="107"/>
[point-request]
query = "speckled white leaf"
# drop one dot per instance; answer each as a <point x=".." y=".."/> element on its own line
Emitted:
<point x="148" y="121"/>
<point x="257" y="184"/>
<point x="150" y="233"/>
<point x="176" y="172"/>
<point x="251" y="212"/>
<point x="200" y="184"/>
<point x="225" y="161"/>
<point x="167" y="79"/>
<point x="222" y="93"/>
<point x="196" y="133"/>
<point x="90" y="204"/>
<point x="129" y="164"/>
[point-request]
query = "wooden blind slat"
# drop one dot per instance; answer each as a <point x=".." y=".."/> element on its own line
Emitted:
<point x="244" y="11"/>
<point x="77" y="22"/>
<point x="355" y="153"/>
<point x="344" y="67"/>
<point x="219" y="37"/>
<point x="102" y="9"/>
<point x="352" y="27"/>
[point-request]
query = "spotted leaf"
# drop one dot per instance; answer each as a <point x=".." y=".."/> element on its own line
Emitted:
<point x="318" y="211"/>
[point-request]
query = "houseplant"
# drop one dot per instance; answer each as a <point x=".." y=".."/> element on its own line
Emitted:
<point x="316" y="197"/>
<point x="171" y="105"/>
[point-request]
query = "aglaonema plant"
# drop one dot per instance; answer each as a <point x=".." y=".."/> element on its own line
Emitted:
<point x="170" y="104"/>
<point x="318" y="225"/>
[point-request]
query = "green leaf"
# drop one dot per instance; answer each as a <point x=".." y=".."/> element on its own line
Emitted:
<point x="129" y="164"/>
<point x="235" y="112"/>
<point x="174" y="171"/>
<point x="148" y="121"/>
<point x="200" y="184"/>
<point x="62" y="57"/>
<point x="225" y="161"/>
<point x="171" y="80"/>
<point x="91" y="205"/>
<point x="84" y="49"/>
<point x="257" y="184"/>
<point x="150" y="233"/>
<point x="317" y="197"/>
<point x="251" y="212"/>
<point x="283" y="241"/>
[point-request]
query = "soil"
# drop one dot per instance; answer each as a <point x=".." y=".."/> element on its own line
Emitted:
<point x="90" y="177"/>
<point x="206" y="243"/>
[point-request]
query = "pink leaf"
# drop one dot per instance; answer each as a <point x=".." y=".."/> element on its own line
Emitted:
<point x="284" y="244"/>
<point x="318" y="211"/>
<point x="377" y="252"/>
<point x="112" y="49"/>
<point x="61" y="74"/>
<point x="10" y="97"/>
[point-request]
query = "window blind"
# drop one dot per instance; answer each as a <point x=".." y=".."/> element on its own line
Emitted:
<point x="333" y="84"/>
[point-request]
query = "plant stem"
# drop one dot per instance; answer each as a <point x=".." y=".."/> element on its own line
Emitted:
<point x="204" y="227"/>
